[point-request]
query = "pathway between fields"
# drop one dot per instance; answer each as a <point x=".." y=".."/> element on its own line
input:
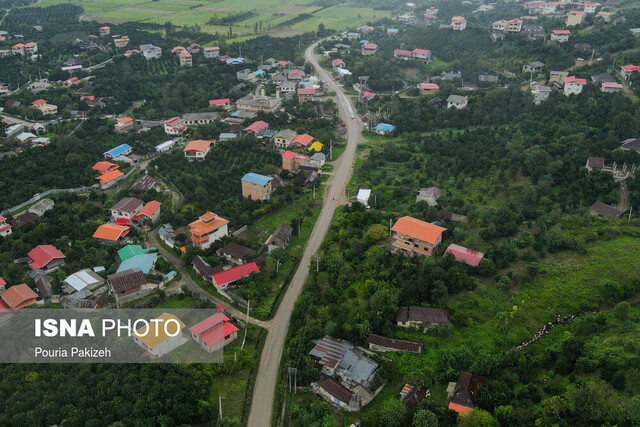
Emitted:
<point x="267" y="376"/>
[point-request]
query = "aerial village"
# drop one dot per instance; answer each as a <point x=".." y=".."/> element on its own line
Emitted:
<point x="218" y="203"/>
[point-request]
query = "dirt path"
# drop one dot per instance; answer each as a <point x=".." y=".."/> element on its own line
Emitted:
<point x="267" y="376"/>
<point x="194" y="287"/>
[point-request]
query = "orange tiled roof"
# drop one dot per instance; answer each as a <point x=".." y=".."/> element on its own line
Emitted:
<point x="304" y="139"/>
<point x="206" y="224"/>
<point x="419" y="229"/>
<point x="104" y="166"/>
<point x="150" y="208"/>
<point x="111" y="232"/>
<point x="19" y="296"/>
<point x="125" y="120"/>
<point x="198" y="145"/>
<point x="109" y="176"/>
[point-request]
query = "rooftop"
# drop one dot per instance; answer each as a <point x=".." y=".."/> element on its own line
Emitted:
<point x="418" y="229"/>
<point x="44" y="254"/>
<point x="257" y="179"/>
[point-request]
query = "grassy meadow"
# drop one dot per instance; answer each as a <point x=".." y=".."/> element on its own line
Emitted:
<point x="273" y="15"/>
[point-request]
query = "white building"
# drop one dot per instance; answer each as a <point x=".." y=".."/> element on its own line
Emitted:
<point x="573" y="85"/>
<point x="174" y="126"/>
<point x="458" y="23"/>
<point x="165" y="146"/>
<point x="5" y="229"/>
<point x="540" y="93"/>
<point x="157" y="339"/>
<point x="457" y="101"/>
<point x="363" y="196"/>
<point x="211" y="52"/>
<point x="150" y="51"/>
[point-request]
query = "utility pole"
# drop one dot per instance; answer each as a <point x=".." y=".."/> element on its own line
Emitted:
<point x="317" y="264"/>
<point x="630" y="210"/>
<point x="389" y="226"/>
<point x="220" y="405"/>
<point x="246" y="326"/>
<point x="331" y="149"/>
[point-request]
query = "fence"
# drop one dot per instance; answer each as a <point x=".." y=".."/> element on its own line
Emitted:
<point x="239" y="231"/>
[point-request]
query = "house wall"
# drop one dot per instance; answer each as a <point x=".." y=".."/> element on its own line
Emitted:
<point x="217" y="234"/>
<point x="281" y="142"/>
<point x="255" y="191"/>
<point x="412" y="246"/>
<point x="572" y="89"/>
<point x="196" y="155"/>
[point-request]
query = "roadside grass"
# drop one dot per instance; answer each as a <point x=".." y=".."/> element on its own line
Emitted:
<point x="180" y="301"/>
<point x="236" y="386"/>
<point x="259" y="231"/>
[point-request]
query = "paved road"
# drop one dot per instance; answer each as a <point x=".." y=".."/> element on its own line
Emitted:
<point x="195" y="288"/>
<point x="15" y="120"/>
<point x="264" y="390"/>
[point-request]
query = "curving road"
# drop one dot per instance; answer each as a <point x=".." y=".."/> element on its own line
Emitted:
<point x="267" y="376"/>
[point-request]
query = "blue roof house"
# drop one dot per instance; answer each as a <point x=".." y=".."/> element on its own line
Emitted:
<point x="145" y="263"/>
<point x="256" y="186"/>
<point x="120" y="150"/>
<point x="384" y="129"/>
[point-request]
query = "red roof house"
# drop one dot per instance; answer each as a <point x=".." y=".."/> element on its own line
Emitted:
<point x="224" y="278"/>
<point x="463" y="254"/>
<point x="45" y="257"/>
<point x="256" y="127"/>
<point x="402" y="53"/>
<point x="223" y="102"/>
<point x="214" y="332"/>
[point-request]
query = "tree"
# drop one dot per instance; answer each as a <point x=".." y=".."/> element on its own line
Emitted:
<point x="391" y="413"/>
<point x="424" y="418"/>
<point x="321" y="28"/>
<point x="478" y="418"/>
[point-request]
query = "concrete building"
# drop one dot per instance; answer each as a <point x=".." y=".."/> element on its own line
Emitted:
<point x="207" y="229"/>
<point x="415" y="237"/>
<point x="256" y="187"/>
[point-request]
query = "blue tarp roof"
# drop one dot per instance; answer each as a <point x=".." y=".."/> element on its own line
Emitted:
<point x="385" y="127"/>
<point x="255" y="178"/>
<point x="392" y="30"/>
<point x="259" y="72"/>
<point x="114" y="152"/>
<point x="235" y="113"/>
<point x="143" y="262"/>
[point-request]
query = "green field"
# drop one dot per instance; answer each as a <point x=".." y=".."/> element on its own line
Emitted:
<point x="271" y="13"/>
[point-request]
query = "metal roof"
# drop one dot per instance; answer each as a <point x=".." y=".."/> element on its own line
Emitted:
<point x="257" y="179"/>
